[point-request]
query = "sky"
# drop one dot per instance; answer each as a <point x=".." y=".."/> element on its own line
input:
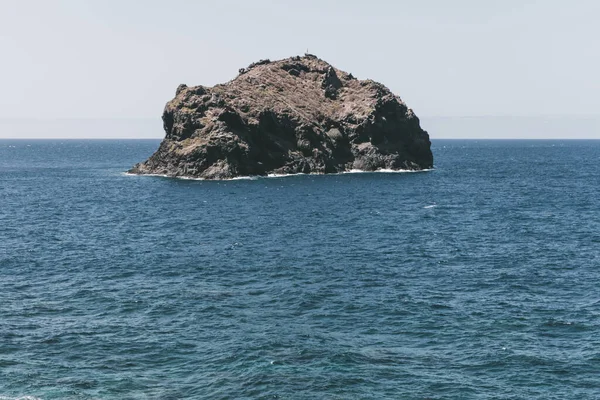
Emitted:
<point x="451" y="61"/>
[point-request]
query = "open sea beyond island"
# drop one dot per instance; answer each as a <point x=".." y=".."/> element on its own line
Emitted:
<point x="477" y="280"/>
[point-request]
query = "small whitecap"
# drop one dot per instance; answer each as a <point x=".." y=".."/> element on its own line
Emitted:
<point x="385" y="171"/>
<point x="20" y="398"/>
<point x="282" y="175"/>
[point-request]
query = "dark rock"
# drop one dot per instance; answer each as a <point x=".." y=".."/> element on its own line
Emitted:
<point x="331" y="83"/>
<point x="180" y="88"/>
<point x="260" y="62"/>
<point x="295" y="66"/>
<point x="288" y="116"/>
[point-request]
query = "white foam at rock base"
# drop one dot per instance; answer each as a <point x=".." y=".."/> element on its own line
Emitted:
<point x="256" y="177"/>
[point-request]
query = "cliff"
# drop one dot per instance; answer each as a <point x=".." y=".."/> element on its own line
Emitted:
<point x="298" y="115"/>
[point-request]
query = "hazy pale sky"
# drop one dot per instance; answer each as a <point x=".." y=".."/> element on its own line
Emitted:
<point x="124" y="59"/>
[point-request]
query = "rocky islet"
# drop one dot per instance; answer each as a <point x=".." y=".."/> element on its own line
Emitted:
<point x="297" y="115"/>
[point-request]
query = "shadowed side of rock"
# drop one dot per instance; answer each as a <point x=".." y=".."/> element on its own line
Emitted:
<point x="298" y="115"/>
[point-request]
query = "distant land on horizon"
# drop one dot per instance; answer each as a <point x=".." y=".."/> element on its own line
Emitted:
<point x="439" y="127"/>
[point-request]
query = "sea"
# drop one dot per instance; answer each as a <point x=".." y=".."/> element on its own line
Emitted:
<point x="479" y="279"/>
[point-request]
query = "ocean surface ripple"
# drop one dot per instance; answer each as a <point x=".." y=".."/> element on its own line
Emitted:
<point x="478" y="280"/>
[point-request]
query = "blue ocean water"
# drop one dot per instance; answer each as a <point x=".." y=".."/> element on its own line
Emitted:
<point x="478" y="280"/>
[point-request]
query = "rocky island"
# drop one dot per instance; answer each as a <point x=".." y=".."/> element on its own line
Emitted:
<point x="298" y="115"/>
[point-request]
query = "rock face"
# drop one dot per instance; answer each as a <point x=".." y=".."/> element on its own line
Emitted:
<point x="298" y="115"/>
